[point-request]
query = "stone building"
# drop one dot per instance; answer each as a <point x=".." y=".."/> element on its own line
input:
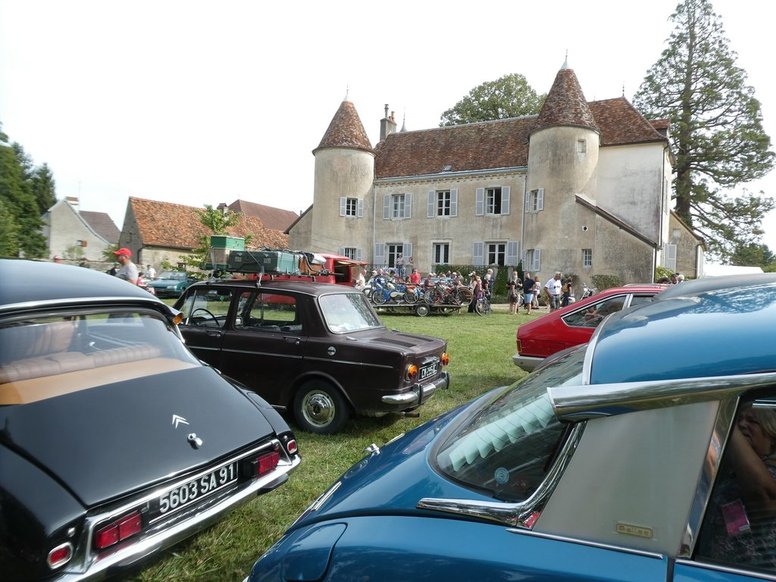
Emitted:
<point x="582" y="187"/>
<point x="76" y="234"/>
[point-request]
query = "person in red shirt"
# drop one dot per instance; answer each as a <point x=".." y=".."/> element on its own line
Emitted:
<point x="415" y="277"/>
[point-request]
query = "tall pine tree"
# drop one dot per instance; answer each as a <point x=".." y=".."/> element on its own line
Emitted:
<point x="716" y="129"/>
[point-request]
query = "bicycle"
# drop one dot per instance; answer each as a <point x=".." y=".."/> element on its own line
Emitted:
<point x="482" y="307"/>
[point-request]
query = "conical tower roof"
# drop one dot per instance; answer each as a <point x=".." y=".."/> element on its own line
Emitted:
<point x="565" y="104"/>
<point x="345" y="130"/>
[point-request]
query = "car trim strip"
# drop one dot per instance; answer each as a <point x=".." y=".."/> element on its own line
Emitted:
<point x="590" y="543"/>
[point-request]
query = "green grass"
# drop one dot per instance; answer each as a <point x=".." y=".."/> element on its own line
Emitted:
<point x="480" y="349"/>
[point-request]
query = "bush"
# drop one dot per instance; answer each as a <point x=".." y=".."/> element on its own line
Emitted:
<point x="602" y="282"/>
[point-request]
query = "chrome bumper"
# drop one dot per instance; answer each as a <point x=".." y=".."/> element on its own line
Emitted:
<point x="419" y="392"/>
<point x="527" y="363"/>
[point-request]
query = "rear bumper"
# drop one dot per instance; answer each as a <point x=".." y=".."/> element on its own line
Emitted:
<point x="419" y="393"/>
<point x="527" y="363"/>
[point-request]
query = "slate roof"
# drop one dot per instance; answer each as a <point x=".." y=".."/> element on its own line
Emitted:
<point x="102" y="224"/>
<point x="271" y="217"/>
<point x="346" y="130"/>
<point x="169" y="225"/>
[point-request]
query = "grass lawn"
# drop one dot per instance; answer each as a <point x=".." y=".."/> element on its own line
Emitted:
<point x="480" y="349"/>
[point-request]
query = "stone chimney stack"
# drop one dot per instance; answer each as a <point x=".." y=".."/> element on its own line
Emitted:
<point x="387" y="124"/>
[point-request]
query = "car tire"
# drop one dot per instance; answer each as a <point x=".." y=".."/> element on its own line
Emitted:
<point x="320" y="408"/>
<point x="422" y="309"/>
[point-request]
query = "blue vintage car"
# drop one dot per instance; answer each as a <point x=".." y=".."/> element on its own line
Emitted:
<point x="646" y="455"/>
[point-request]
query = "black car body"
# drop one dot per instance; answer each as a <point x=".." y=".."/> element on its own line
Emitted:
<point x="115" y="441"/>
<point x="316" y="348"/>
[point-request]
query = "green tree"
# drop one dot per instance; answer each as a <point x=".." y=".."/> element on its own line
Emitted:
<point x="43" y="188"/>
<point x="752" y="255"/>
<point x="716" y="129"/>
<point x="509" y="96"/>
<point x="19" y="204"/>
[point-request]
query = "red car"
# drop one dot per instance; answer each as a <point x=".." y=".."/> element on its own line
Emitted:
<point x="574" y="324"/>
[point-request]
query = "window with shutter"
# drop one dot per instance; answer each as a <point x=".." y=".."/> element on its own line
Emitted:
<point x="513" y="252"/>
<point x="431" y="205"/>
<point x="478" y="254"/>
<point x="479" y="203"/>
<point x="454" y="202"/>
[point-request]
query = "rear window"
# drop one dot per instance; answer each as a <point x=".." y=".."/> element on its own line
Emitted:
<point x="348" y="312"/>
<point x="43" y="357"/>
<point x="507" y="447"/>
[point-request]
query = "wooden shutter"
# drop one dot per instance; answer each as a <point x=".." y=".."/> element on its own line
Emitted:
<point x="479" y="203"/>
<point x="407" y="252"/>
<point x="453" y="202"/>
<point x="386" y="206"/>
<point x="505" y="192"/>
<point x="343" y="206"/>
<point x="379" y="253"/>
<point x="359" y="253"/>
<point x="540" y="199"/>
<point x="537" y="261"/>
<point x="478" y="253"/>
<point x="431" y="205"/>
<point x="513" y="252"/>
<point x="360" y="208"/>
<point x="408" y="205"/>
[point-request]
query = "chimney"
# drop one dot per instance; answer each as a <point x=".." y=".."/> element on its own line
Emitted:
<point x="387" y="124"/>
<point x="72" y="201"/>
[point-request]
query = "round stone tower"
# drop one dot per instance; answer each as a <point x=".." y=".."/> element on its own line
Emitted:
<point x="344" y="176"/>
<point x="562" y="163"/>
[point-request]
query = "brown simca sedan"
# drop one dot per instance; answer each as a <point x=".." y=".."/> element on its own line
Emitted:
<point x="319" y="350"/>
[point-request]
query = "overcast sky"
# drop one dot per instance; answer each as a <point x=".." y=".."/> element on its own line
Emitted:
<point x="200" y="102"/>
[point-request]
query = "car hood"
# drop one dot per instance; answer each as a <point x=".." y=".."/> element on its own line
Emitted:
<point x="122" y="437"/>
<point x="391" y="481"/>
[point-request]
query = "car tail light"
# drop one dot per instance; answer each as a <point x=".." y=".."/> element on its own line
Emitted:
<point x="445" y="359"/>
<point x="412" y="372"/>
<point x="267" y="463"/>
<point x="60" y="555"/>
<point x="519" y="347"/>
<point x="291" y="446"/>
<point x="117" y="531"/>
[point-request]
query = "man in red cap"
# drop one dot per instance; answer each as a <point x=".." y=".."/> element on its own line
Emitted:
<point x="128" y="270"/>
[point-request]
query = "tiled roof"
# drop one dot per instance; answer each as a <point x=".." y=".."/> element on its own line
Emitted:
<point x="565" y="104"/>
<point x="346" y="130"/>
<point x="101" y="223"/>
<point x="621" y="124"/>
<point x="498" y="144"/>
<point x="165" y="224"/>
<point x="271" y="217"/>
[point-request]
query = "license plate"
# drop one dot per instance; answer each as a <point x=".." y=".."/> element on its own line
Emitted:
<point x="428" y="371"/>
<point x="195" y="489"/>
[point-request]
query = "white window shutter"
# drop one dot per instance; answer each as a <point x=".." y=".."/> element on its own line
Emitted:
<point x="360" y="208"/>
<point x="379" y="253"/>
<point x="528" y="198"/>
<point x="478" y="253"/>
<point x="343" y="205"/>
<point x="671" y="257"/>
<point x="408" y="205"/>
<point x="341" y="251"/>
<point x="513" y="252"/>
<point x="407" y="252"/>
<point x="454" y="202"/>
<point x="505" y="191"/>
<point x="386" y="206"/>
<point x="479" y="204"/>
<point x="537" y="261"/>
<point x="540" y="199"/>
<point x="359" y="254"/>
<point x="431" y="207"/>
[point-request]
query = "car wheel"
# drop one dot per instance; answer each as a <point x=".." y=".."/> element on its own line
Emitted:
<point x="422" y="309"/>
<point x="320" y="408"/>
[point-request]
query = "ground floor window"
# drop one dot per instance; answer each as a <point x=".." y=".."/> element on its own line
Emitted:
<point x="587" y="257"/>
<point x="440" y="253"/>
<point x="497" y="253"/>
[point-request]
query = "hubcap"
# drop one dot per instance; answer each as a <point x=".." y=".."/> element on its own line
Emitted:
<point x="318" y="408"/>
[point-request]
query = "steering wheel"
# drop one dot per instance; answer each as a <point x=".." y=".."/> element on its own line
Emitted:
<point x="198" y="309"/>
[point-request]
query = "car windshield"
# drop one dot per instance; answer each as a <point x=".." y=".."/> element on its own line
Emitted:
<point x="47" y="356"/>
<point x="507" y="447"/>
<point x="348" y="312"/>
<point x="174" y="275"/>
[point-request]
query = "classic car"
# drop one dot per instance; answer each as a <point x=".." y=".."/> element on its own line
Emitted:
<point x="115" y="441"/>
<point x="170" y="283"/>
<point x="574" y="324"/>
<point x="646" y="454"/>
<point x="315" y="348"/>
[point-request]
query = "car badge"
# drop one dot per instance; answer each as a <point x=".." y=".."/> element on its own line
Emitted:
<point x="194" y="440"/>
<point x="176" y="420"/>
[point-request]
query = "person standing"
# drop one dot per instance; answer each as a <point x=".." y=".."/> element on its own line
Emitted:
<point x="553" y="289"/>
<point x="513" y="291"/>
<point x="150" y="272"/>
<point x="128" y="269"/>
<point x="528" y="290"/>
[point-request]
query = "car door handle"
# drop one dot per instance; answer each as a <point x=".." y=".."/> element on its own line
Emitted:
<point x="292" y="340"/>
<point x="214" y="333"/>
